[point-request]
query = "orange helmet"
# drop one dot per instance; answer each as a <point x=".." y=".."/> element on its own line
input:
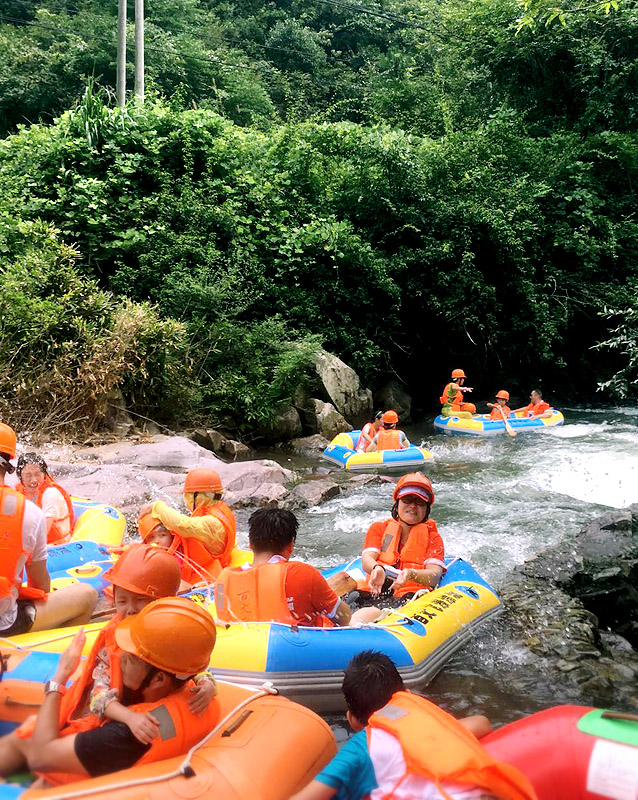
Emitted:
<point x="202" y="479"/>
<point x="146" y="524"/>
<point x="414" y="484"/>
<point x="145" y="569"/>
<point x="173" y="634"/>
<point x="503" y="395"/>
<point x="458" y="373"/>
<point x="7" y="440"/>
<point x="391" y="417"/>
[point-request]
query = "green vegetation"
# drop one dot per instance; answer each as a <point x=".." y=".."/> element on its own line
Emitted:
<point x="409" y="188"/>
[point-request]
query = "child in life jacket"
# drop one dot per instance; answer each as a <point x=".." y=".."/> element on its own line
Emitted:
<point x="142" y="573"/>
<point x="203" y="540"/>
<point x="406" y="748"/>
<point x="153" y="532"/>
<point x="500" y="409"/>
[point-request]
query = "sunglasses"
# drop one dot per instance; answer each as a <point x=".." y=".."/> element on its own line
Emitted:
<point x="412" y="500"/>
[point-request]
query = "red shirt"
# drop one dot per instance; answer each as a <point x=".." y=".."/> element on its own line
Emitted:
<point x="308" y="593"/>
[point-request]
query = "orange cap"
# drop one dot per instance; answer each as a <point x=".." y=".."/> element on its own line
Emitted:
<point x="390" y="417"/>
<point x="458" y="373"/>
<point x="145" y="569"/>
<point x="503" y="395"/>
<point x="202" y="479"/>
<point x="7" y="440"/>
<point x="414" y="483"/>
<point x="173" y="634"/>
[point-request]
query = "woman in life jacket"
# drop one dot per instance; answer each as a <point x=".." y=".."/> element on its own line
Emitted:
<point x="203" y="540"/>
<point x="39" y="487"/>
<point x="404" y="554"/>
<point x="389" y="437"/>
<point x="368" y="432"/>
<point x="452" y="401"/>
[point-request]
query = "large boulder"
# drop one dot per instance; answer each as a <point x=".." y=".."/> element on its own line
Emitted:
<point x="329" y="421"/>
<point x="337" y="382"/>
<point x="310" y="445"/>
<point x="393" y="396"/>
<point x="285" y="425"/>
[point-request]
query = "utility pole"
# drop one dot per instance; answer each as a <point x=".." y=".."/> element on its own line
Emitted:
<point x="139" y="51"/>
<point x="120" y="80"/>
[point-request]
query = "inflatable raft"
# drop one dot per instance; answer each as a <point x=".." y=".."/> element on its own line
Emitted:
<point x="482" y="425"/>
<point x="572" y="753"/>
<point x="236" y="761"/>
<point x="341" y="452"/>
<point x="97" y="522"/>
<point x="305" y="664"/>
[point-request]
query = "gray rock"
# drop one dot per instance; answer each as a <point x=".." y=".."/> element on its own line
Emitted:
<point x="340" y="384"/>
<point x="393" y="396"/>
<point x="311" y="493"/>
<point x="236" y="450"/>
<point x="329" y="420"/>
<point x="310" y="444"/>
<point x="284" y="426"/>
<point x="210" y="439"/>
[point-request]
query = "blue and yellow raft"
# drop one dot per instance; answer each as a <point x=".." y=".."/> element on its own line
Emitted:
<point x="305" y="664"/>
<point x="341" y="452"/>
<point x="482" y="425"/>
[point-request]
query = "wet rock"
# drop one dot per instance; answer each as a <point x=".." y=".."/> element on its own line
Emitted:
<point x="312" y="493"/>
<point x="329" y="420"/>
<point x="285" y="425"/>
<point x="393" y="396"/>
<point x="310" y="445"/>
<point x="210" y="439"/>
<point x="237" y="451"/>
<point x="340" y="384"/>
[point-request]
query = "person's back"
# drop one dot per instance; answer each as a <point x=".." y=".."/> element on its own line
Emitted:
<point x="389" y="437"/>
<point x="275" y="589"/>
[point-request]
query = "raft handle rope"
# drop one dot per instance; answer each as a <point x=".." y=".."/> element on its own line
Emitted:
<point x="185" y="769"/>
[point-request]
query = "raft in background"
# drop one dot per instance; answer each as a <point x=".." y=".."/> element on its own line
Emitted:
<point x="341" y="452"/>
<point x="304" y="664"/>
<point x="238" y="762"/>
<point x="571" y="753"/>
<point x="482" y="425"/>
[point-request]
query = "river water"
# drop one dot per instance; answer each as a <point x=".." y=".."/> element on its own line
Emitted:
<point x="498" y="502"/>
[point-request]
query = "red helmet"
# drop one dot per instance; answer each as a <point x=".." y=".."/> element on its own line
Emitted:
<point x="202" y="479"/>
<point x="414" y="484"/>
<point x="458" y="373"/>
<point x="503" y="395"/>
<point x="391" y="417"/>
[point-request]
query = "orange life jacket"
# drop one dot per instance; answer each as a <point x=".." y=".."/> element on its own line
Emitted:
<point x="258" y="594"/>
<point x="179" y="729"/>
<point x="55" y="535"/>
<point x="11" y="547"/>
<point x="535" y="409"/>
<point x="412" y="554"/>
<point x="437" y="747"/>
<point x="369" y="430"/>
<point x="195" y="552"/>
<point x="496" y="414"/>
<point x="388" y="439"/>
<point x="449" y="399"/>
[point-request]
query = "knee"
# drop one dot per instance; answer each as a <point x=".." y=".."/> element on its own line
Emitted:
<point x="86" y="596"/>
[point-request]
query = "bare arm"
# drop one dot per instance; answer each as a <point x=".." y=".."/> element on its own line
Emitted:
<point x="344" y="613"/>
<point x="428" y="576"/>
<point x="38" y="576"/>
<point x="477" y="724"/>
<point x="375" y="570"/>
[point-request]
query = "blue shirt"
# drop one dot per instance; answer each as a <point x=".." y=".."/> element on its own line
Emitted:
<point x="351" y="771"/>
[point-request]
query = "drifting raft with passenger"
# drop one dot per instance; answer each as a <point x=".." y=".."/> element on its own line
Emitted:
<point x="304" y="664"/>
<point x="482" y="425"/>
<point x="342" y="453"/>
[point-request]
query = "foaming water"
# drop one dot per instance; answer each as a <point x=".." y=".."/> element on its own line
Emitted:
<point x="499" y="501"/>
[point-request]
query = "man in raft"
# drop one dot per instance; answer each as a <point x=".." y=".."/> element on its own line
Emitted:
<point x="389" y="437"/>
<point x="452" y="401"/>
<point x="500" y="409"/>
<point x="537" y="407"/>
<point x="38" y="486"/>
<point x="202" y="541"/>
<point x="163" y="646"/>
<point x="407" y="748"/>
<point x="275" y="589"/>
<point x="24" y="546"/>
<point x="368" y="432"/>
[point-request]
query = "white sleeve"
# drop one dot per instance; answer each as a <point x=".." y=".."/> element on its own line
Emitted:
<point x="53" y="504"/>
<point x="34" y="532"/>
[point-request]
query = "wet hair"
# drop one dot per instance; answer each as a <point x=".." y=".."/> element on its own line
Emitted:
<point x="272" y="529"/>
<point x="31" y="458"/>
<point x="369" y="682"/>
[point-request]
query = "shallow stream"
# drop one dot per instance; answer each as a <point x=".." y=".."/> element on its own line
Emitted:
<point x="498" y="502"/>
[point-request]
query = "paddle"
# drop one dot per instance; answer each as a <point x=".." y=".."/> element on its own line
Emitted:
<point x="510" y="431"/>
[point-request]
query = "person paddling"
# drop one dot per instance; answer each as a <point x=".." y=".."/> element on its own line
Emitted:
<point x="38" y="486"/>
<point x="452" y="402"/>
<point x="500" y="409"/>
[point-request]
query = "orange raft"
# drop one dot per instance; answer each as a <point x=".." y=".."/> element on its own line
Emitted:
<point x="264" y="747"/>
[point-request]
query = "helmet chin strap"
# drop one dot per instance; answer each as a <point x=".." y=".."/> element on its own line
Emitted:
<point x="5" y="464"/>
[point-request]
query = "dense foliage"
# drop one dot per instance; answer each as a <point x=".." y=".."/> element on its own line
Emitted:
<point x="412" y="188"/>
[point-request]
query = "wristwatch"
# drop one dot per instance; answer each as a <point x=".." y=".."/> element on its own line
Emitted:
<point x="54" y="686"/>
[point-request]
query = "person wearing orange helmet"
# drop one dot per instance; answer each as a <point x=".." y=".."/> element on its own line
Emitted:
<point x="408" y="544"/>
<point x="38" y="486"/>
<point x="500" y="409"/>
<point x="452" y="402"/>
<point x="389" y="437"/>
<point x="162" y="647"/>
<point x="203" y="540"/>
<point x="24" y="542"/>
